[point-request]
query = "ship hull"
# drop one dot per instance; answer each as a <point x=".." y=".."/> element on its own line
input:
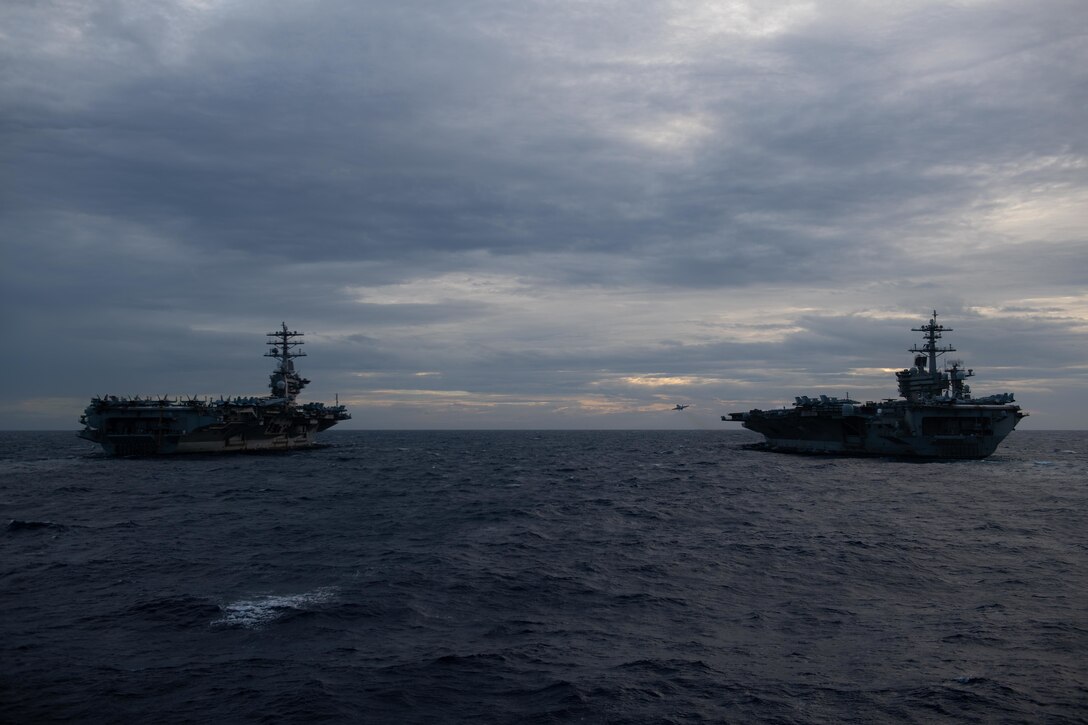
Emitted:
<point x="897" y="430"/>
<point x="152" y="444"/>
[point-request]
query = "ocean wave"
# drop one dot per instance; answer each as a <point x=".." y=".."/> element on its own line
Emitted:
<point x="18" y="525"/>
<point x="259" y="611"/>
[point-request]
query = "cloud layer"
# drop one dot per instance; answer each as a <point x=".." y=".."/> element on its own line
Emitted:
<point x="560" y="214"/>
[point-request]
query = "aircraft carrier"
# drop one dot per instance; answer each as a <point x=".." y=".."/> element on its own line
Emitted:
<point x="135" y="426"/>
<point x="935" y="417"/>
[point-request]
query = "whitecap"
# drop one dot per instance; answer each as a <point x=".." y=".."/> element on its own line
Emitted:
<point x="258" y="611"/>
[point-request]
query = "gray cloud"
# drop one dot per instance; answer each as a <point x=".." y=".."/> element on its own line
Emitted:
<point x="529" y="211"/>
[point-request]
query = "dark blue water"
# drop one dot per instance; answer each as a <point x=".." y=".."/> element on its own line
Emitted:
<point x="598" y="577"/>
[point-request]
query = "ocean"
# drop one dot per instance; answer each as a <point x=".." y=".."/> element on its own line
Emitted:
<point x="543" y="577"/>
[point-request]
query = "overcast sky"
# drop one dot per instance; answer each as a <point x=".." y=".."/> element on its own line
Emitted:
<point x="541" y="214"/>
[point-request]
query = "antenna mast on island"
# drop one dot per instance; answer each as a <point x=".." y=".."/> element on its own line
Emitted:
<point x="285" y="382"/>
<point x="933" y="333"/>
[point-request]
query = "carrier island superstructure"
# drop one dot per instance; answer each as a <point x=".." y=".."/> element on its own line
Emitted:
<point x="935" y="416"/>
<point x="127" y="426"/>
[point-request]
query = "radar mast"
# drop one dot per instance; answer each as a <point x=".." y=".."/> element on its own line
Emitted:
<point x="933" y="333"/>
<point x="284" y="381"/>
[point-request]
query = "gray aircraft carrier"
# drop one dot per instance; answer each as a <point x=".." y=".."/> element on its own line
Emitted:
<point x="935" y="416"/>
<point x="126" y="426"/>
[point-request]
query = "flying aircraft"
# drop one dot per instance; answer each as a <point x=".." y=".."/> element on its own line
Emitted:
<point x="681" y="407"/>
